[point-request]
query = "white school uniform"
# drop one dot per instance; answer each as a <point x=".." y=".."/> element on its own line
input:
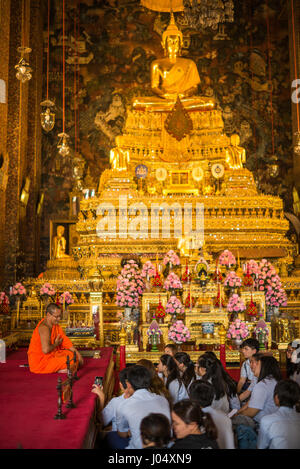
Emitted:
<point x="280" y="430"/>
<point x="224" y="426"/>
<point x="262" y="398"/>
<point x="177" y="392"/>
<point x="247" y="373"/>
<point x="132" y="411"/>
<point x="110" y="410"/>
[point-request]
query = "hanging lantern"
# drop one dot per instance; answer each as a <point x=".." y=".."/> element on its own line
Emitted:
<point x="63" y="147"/>
<point x="47" y="116"/>
<point x="248" y="279"/>
<point x="273" y="167"/>
<point x="160" y="311"/>
<point x="252" y="309"/>
<point x="23" y="70"/>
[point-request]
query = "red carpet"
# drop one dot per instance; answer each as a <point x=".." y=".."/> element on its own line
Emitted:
<point x="28" y="404"/>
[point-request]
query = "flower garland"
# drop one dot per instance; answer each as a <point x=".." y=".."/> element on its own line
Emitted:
<point x="172" y="282"/>
<point x="238" y="330"/>
<point x="178" y="332"/>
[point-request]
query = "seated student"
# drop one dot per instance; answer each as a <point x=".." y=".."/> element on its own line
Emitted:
<point x="202" y="393"/>
<point x="170" y="349"/>
<point x="157" y="385"/>
<point x="171" y="377"/>
<point x="155" y="431"/>
<point x="281" y="429"/>
<point x="186" y="368"/>
<point x="141" y="403"/>
<point x="295" y="361"/>
<point x="210" y="370"/>
<point x="261" y="403"/>
<point x="193" y="428"/>
<point x="247" y="379"/>
<point x="108" y="413"/>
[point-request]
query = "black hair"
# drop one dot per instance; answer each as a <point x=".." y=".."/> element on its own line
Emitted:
<point x="155" y="428"/>
<point x="123" y="377"/>
<point x="52" y="307"/>
<point x="139" y="377"/>
<point x="173" y="371"/>
<point x="191" y="412"/>
<point x="269" y="367"/>
<point x="202" y="392"/>
<point x="189" y="374"/>
<point x="230" y="384"/>
<point x="288" y="392"/>
<point x="252" y="343"/>
<point x="173" y="347"/>
<point x="213" y="374"/>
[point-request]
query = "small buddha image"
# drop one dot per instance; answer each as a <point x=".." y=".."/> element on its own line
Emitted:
<point x="59" y="244"/>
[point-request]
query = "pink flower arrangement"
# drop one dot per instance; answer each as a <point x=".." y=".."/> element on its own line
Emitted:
<point x="172" y="258"/>
<point x="174" y="306"/>
<point x="253" y="267"/>
<point x="178" y="332"/>
<point x="3" y="298"/>
<point x="232" y="280"/>
<point x="235" y="304"/>
<point x="238" y="330"/>
<point x="47" y="290"/>
<point x="18" y="290"/>
<point x="130" y="285"/>
<point x="172" y="282"/>
<point x="269" y="281"/>
<point x="66" y="298"/>
<point x="227" y="258"/>
<point x="148" y="270"/>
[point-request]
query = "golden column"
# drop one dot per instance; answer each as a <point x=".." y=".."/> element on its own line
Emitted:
<point x="97" y="310"/>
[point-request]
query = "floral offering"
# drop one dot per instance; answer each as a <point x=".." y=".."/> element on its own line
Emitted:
<point x="3" y="299"/>
<point x="130" y="285"/>
<point x="269" y="281"/>
<point x="174" y="306"/>
<point x="171" y="258"/>
<point x="232" y="280"/>
<point x="154" y="329"/>
<point x="18" y="290"/>
<point x="47" y="290"/>
<point x="66" y="298"/>
<point x="253" y="267"/>
<point x="178" y="332"/>
<point x="238" y="330"/>
<point x="227" y="258"/>
<point x="235" y="304"/>
<point x="148" y="270"/>
<point x="172" y="282"/>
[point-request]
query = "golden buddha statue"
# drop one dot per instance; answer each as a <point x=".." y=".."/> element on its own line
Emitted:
<point x="172" y="77"/>
<point x="235" y="155"/>
<point x="119" y="159"/>
<point x="59" y="244"/>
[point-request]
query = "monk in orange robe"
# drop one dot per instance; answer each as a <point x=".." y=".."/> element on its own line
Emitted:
<point x="49" y="346"/>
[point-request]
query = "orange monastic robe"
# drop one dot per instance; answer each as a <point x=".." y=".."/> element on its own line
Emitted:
<point x="54" y="361"/>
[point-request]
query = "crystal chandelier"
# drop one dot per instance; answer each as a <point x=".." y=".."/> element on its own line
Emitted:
<point x="47" y="116"/>
<point x="23" y="70"/>
<point x="63" y="147"/>
<point x="208" y="13"/>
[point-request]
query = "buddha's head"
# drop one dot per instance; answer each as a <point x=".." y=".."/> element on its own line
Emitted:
<point x="172" y="39"/>
<point x="235" y="140"/>
<point x="60" y="230"/>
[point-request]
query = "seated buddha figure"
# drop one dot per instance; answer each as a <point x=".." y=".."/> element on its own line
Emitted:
<point x="59" y="244"/>
<point x="172" y="77"/>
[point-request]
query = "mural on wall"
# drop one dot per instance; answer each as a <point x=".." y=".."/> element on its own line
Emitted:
<point x="116" y="43"/>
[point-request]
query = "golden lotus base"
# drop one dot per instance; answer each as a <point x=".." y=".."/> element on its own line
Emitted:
<point x="62" y="269"/>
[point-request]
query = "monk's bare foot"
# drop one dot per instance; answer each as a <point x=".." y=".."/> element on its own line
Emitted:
<point x="62" y="371"/>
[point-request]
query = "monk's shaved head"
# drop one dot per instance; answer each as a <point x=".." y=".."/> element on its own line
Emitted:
<point x="51" y="308"/>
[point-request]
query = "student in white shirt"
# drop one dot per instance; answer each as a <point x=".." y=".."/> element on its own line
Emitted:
<point x="247" y="379"/>
<point x="295" y="361"/>
<point x="140" y="404"/>
<point x="281" y="430"/>
<point x="108" y="413"/>
<point x="209" y="368"/>
<point x="267" y="371"/>
<point x="186" y="368"/>
<point x="172" y="379"/>
<point x="202" y="393"/>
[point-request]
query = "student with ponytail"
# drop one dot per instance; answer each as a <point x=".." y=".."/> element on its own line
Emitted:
<point x="186" y="368"/>
<point x="193" y="428"/>
<point x="172" y="379"/>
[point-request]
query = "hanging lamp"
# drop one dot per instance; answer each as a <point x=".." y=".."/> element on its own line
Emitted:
<point x="47" y="114"/>
<point x="23" y="69"/>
